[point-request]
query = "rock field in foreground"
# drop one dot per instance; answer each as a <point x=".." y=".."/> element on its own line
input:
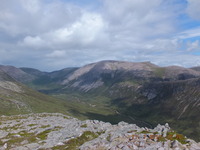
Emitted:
<point x="60" y="132"/>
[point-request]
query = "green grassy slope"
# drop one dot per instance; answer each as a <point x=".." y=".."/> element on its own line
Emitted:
<point x="16" y="98"/>
<point x="28" y="101"/>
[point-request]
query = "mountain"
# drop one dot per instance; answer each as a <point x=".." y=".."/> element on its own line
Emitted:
<point x="17" y="74"/>
<point x="46" y="80"/>
<point x="33" y="72"/>
<point x="60" y="132"/>
<point x="141" y="93"/>
<point x="16" y="98"/>
<point x="111" y="72"/>
<point x="196" y="68"/>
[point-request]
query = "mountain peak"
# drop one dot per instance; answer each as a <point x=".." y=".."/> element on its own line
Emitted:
<point x="115" y="65"/>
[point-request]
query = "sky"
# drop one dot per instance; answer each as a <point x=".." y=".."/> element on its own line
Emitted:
<point x="54" y="34"/>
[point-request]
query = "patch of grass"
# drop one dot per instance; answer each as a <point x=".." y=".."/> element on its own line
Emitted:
<point x="155" y="133"/>
<point x="65" y="117"/>
<point x="28" y="136"/>
<point x="16" y="141"/>
<point x="45" y="126"/>
<point x="73" y="144"/>
<point x="173" y="136"/>
<point x="43" y="135"/>
<point x="159" y="72"/>
<point x="1" y="143"/>
<point x="108" y="137"/>
<point x="31" y="125"/>
<point x="176" y="136"/>
<point x="161" y="139"/>
<point x="84" y="126"/>
<point x="145" y="132"/>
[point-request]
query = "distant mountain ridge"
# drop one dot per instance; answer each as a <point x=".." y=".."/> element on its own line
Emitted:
<point x="141" y="93"/>
<point x="139" y="70"/>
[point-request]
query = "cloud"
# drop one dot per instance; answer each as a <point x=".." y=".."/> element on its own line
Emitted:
<point x="190" y="33"/>
<point x="33" y="41"/>
<point x="132" y="16"/>
<point x="21" y="17"/>
<point x="84" y="31"/>
<point x="53" y="34"/>
<point x="192" y="46"/>
<point x="31" y="6"/>
<point x="193" y="9"/>
<point x="57" y="54"/>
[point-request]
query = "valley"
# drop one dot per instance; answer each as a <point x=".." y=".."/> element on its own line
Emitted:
<point x="114" y="91"/>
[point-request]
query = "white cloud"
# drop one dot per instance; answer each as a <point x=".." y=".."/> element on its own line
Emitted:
<point x="84" y="31"/>
<point x="138" y="19"/>
<point x="190" y="33"/>
<point x="35" y="17"/>
<point x="192" y="46"/>
<point x="44" y="32"/>
<point x="33" y="41"/>
<point x="116" y="9"/>
<point x="57" y="54"/>
<point x="184" y="60"/>
<point x="32" y="6"/>
<point x="193" y="9"/>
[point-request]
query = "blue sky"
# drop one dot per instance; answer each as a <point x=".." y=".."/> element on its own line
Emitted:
<point x="55" y="34"/>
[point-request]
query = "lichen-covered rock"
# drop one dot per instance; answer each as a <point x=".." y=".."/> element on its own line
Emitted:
<point x="57" y="131"/>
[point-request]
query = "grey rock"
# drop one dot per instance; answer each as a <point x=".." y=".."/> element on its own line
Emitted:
<point x="174" y="144"/>
<point x="60" y="129"/>
<point x="3" y="134"/>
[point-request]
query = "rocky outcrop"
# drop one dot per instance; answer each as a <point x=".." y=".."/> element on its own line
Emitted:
<point x="56" y="131"/>
<point x="11" y="86"/>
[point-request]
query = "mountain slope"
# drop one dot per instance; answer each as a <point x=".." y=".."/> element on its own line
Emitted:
<point x="44" y="81"/>
<point x="196" y="68"/>
<point x="141" y="93"/>
<point x="17" y="74"/>
<point x="111" y="72"/>
<point x="16" y="98"/>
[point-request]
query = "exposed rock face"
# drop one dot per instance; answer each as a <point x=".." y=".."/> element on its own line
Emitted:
<point x="89" y="74"/>
<point x="94" y="75"/>
<point x="10" y="86"/>
<point x="57" y="131"/>
<point x="8" y="83"/>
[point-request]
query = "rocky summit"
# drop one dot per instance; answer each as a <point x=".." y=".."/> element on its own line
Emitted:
<point x="54" y="131"/>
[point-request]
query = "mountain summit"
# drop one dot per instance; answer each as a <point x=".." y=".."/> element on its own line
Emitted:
<point x="60" y="132"/>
